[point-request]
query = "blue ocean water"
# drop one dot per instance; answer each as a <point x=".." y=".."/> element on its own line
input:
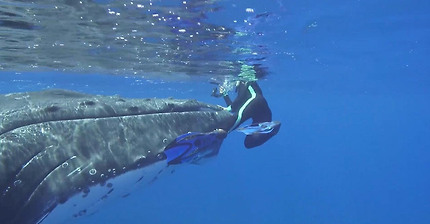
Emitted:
<point x="349" y="80"/>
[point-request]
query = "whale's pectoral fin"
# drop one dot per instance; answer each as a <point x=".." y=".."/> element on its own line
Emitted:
<point x="192" y="147"/>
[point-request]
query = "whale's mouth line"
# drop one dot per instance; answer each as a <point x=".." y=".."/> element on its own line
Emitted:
<point x="83" y="118"/>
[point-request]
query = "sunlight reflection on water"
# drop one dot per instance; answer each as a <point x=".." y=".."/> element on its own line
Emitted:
<point x="143" y="38"/>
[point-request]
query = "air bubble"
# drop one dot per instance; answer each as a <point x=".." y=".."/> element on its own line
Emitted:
<point x="93" y="171"/>
<point x="17" y="182"/>
<point x="65" y="164"/>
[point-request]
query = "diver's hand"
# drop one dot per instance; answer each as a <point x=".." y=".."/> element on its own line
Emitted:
<point x="215" y="93"/>
<point x="222" y="92"/>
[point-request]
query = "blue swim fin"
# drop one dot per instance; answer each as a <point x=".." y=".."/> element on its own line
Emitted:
<point x="192" y="147"/>
<point x="262" y="128"/>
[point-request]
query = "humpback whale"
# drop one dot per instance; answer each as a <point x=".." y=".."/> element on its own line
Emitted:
<point x="62" y="152"/>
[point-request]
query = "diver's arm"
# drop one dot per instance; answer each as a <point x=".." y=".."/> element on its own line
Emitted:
<point x="227" y="100"/>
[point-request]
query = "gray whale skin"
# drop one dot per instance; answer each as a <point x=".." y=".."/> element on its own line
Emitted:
<point x="55" y="144"/>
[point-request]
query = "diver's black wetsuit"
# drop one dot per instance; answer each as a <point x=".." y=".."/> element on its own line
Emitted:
<point x="250" y="103"/>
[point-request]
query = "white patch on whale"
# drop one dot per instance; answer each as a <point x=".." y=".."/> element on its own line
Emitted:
<point x="88" y="203"/>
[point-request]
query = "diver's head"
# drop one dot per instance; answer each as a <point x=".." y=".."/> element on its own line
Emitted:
<point x="240" y="86"/>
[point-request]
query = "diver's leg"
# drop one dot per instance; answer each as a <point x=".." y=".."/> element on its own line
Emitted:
<point x="260" y="112"/>
<point x="257" y="139"/>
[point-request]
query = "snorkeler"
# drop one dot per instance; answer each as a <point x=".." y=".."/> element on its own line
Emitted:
<point x="250" y="103"/>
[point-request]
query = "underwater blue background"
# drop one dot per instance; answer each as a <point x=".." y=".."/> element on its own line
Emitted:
<point x="350" y="83"/>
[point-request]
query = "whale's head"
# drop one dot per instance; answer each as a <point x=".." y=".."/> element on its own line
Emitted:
<point x="57" y="147"/>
